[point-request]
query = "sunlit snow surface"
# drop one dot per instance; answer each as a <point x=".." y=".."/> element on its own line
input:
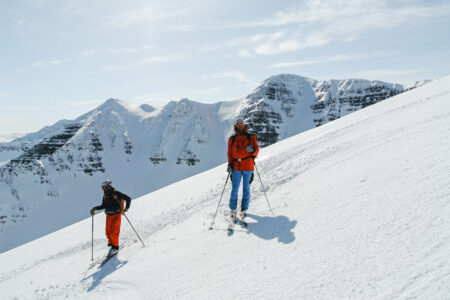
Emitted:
<point x="363" y="212"/>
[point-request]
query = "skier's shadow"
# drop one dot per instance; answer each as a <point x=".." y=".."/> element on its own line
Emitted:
<point x="269" y="228"/>
<point x="112" y="265"/>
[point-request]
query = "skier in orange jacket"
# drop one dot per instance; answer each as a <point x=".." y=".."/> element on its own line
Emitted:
<point x="242" y="150"/>
<point x="113" y="205"/>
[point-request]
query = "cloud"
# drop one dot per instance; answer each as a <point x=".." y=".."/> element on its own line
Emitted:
<point x="328" y="59"/>
<point x="129" y="50"/>
<point x="282" y="42"/>
<point x="212" y="91"/>
<point x="48" y="63"/>
<point x="245" y="53"/>
<point x="151" y="13"/>
<point x="90" y="52"/>
<point x="156" y="99"/>
<point x="88" y="103"/>
<point x="165" y="59"/>
<point x="403" y="76"/>
<point x="152" y="60"/>
<point x="122" y="67"/>
<point x="386" y="72"/>
<point x="353" y="12"/>
<point x="235" y="75"/>
<point x="20" y="108"/>
<point x="316" y="23"/>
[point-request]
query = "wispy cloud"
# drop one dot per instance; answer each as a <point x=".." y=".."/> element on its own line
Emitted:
<point x="404" y="76"/>
<point x="332" y="20"/>
<point x="87" y="103"/>
<point x="151" y="13"/>
<point x="165" y="59"/>
<point x="89" y="52"/>
<point x="122" y="67"/>
<point x="20" y="108"/>
<point x="245" y="53"/>
<point x="328" y="59"/>
<point x="212" y="91"/>
<point x="129" y="50"/>
<point x="151" y="60"/>
<point x="156" y="99"/>
<point x="235" y="75"/>
<point x="48" y="63"/>
<point x="388" y="72"/>
<point x="361" y="13"/>
<point x="281" y="42"/>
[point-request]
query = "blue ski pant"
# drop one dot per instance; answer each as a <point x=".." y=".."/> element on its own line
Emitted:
<point x="236" y="181"/>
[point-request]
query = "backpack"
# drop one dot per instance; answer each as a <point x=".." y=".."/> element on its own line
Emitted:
<point x="247" y="134"/>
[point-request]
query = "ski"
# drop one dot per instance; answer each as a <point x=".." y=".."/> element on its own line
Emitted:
<point x="94" y="263"/>
<point x="107" y="259"/>
<point x="243" y="223"/>
<point x="232" y="221"/>
<point x="102" y="260"/>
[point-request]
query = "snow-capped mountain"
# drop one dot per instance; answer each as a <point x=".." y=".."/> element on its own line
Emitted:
<point x="361" y="206"/>
<point x="51" y="178"/>
<point x="285" y="105"/>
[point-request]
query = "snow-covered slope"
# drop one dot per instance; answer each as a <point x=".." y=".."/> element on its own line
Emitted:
<point x="48" y="178"/>
<point x="362" y="213"/>
<point x="51" y="184"/>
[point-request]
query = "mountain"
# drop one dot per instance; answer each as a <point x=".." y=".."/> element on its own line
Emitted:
<point x="361" y="208"/>
<point x="50" y="179"/>
<point x="285" y="105"/>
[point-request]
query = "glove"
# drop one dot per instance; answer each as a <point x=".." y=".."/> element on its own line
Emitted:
<point x="230" y="168"/>
<point x="92" y="211"/>
<point x="123" y="211"/>
<point x="249" y="148"/>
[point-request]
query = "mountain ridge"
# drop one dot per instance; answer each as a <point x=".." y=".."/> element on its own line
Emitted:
<point x="146" y="149"/>
<point x="361" y="210"/>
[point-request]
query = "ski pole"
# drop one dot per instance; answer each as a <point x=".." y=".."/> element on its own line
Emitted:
<point x="212" y="223"/>
<point x="134" y="229"/>
<point x="131" y="224"/>
<point x="264" y="190"/>
<point x="92" y="242"/>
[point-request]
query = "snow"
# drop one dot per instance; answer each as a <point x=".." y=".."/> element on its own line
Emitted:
<point x="145" y="148"/>
<point x="362" y="212"/>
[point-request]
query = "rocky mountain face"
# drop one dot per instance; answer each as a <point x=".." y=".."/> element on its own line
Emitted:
<point x="51" y="178"/>
<point x="285" y="105"/>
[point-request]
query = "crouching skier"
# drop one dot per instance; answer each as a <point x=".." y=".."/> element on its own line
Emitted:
<point x="113" y="205"/>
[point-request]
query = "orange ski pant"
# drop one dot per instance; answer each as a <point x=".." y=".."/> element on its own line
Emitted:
<point x="113" y="229"/>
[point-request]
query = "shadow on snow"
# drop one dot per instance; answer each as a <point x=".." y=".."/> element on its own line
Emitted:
<point x="111" y="266"/>
<point x="269" y="228"/>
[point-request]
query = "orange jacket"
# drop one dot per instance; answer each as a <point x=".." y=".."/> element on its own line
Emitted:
<point x="237" y="154"/>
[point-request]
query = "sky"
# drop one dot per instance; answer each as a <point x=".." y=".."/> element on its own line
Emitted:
<point x="60" y="59"/>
